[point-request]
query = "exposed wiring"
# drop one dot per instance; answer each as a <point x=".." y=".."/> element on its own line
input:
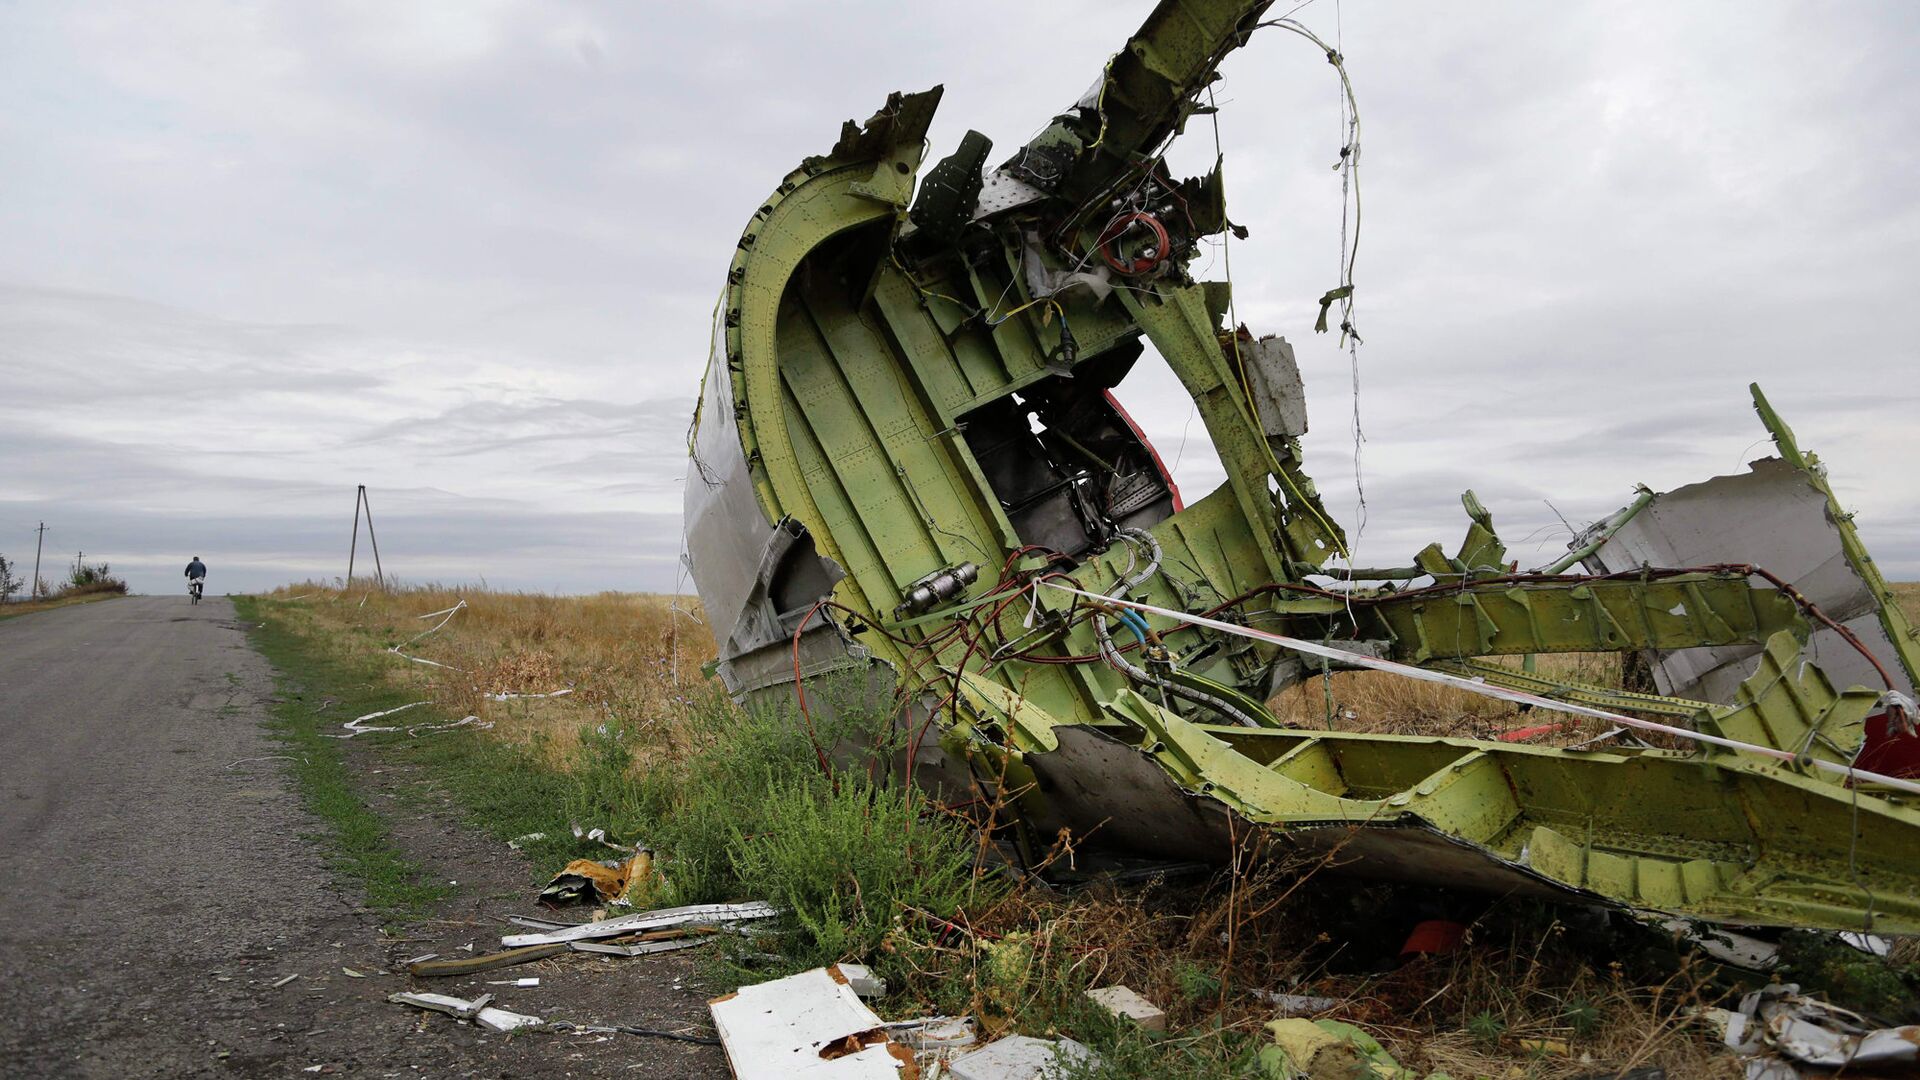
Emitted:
<point x="1487" y="689"/>
<point x="1114" y="657"/>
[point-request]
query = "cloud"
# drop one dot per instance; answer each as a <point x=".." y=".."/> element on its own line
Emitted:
<point x="250" y="259"/>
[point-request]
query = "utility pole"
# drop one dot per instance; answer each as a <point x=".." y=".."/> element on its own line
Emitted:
<point x="359" y="501"/>
<point x="372" y="539"/>
<point x="38" y="542"/>
<point x="354" y="548"/>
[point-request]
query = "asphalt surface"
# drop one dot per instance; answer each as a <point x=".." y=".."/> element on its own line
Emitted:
<point x="158" y="883"/>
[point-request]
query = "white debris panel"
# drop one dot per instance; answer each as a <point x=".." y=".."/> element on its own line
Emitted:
<point x="804" y="1026"/>
<point x="1773" y="517"/>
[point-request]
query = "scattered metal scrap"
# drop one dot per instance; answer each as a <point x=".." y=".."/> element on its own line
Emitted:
<point x="1777" y="1030"/>
<point x="806" y="1025"/>
<point x="470" y="965"/>
<point x="639" y="934"/>
<point x="477" y="1011"/>
<point x="906" y="430"/>
<point x="814" y="1024"/>
<point x="586" y="881"/>
<point x="642" y="922"/>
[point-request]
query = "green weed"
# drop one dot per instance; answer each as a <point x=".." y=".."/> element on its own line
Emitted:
<point x="846" y="860"/>
<point x="357" y="841"/>
<point x="1486" y="1027"/>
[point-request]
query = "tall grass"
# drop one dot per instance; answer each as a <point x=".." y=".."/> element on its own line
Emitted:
<point x="734" y="801"/>
<point x="628" y="660"/>
<point x="1908" y="595"/>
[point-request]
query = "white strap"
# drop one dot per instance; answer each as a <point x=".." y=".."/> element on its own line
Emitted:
<point x="1486" y="689"/>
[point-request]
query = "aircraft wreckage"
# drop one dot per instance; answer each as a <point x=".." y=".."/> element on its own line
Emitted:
<point x="909" y="476"/>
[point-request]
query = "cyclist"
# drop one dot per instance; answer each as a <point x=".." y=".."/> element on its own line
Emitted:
<point x="196" y="577"/>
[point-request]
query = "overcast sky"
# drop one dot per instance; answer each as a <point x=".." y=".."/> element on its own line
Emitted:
<point x="465" y="253"/>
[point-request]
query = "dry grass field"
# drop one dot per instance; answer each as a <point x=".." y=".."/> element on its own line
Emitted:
<point x="1908" y="593"/>
<point x="631" y="658"/>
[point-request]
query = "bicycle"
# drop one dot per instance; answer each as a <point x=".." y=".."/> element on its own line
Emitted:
<point x="194" y="588"/>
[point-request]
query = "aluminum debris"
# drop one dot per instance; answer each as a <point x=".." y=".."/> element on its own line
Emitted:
<point x="477" y="1011"/>
<point x="1725" y="945"/>
<point x="863" y="980"/>
<point x="1296" y="1004"/>
<point x="1778" y="1030"/>
<point x="1127" y="1004"/>
<point x="642" y="948"/>
<point x="934" y="1039"/>
<point x="806" y="1025"/>
<point x="430" y="968"/>
<point x="643" y="921"/>
<point x="505" y="695"/>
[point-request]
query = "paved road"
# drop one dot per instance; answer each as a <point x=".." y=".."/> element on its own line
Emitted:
<point x="156" y="882"/>
<point x="145" y="886"/>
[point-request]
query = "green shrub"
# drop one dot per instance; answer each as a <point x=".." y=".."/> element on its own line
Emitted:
<point x="604" y="792"/>
<point x="750" y="814"/>
<point x="844" y="860"/>
<point x="87" y="578"/>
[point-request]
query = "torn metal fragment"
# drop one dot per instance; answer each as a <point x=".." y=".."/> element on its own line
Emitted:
<point x="1127" y="1004"/>
<point x="476" y="1010"/>
<point x="1773" y="516"/>
<point x="806" y="1025"/>
<point x="863" y="980"/>
<point x="642" y="921"/>
<point x="643" y="948"/>
<point x="585" y="881"/>
<point x="1296" y="1004"/>
<point x="1778" y="1022"/>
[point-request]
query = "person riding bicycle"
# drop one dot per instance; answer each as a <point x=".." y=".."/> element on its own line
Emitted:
<point x="196" y="577"/>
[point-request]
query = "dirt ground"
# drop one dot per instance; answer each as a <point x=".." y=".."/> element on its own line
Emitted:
<point x="159" y="882"/>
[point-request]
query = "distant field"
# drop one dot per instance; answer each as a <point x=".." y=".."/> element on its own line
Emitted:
<point x="1909" y="594"/>
<point x="629" y="657"/>
<point x="28" y="607"/>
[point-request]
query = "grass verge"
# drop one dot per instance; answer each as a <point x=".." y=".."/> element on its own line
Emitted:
<point x="29" y="607"/>
<point x="357" y="840"/>
<point x="742" y="813"/>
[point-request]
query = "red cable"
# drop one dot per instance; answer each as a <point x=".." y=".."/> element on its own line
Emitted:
<point x="1118" y="226"/>
<point x="800" y="688"/>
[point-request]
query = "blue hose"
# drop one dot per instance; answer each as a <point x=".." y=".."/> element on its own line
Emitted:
<point x="1132" y="621"/>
